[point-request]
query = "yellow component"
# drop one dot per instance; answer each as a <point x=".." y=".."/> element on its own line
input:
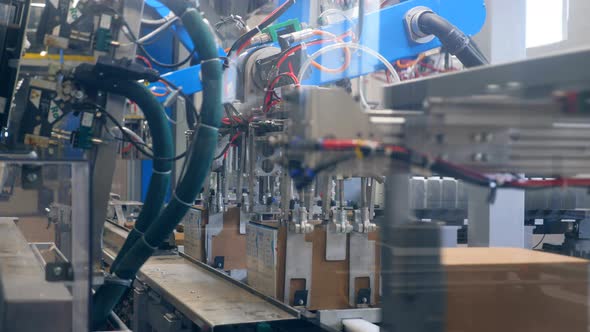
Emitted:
<point x="55" y="57"/>
<point x="358" y="152"/>
<point x="133" y="117"/>
<point x="39" y="141"/>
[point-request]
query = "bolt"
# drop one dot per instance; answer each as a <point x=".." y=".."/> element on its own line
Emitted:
<point x="478" y="157"/>
<point x="514" y="85"/>
<point x="57" y="271"/>
<point x="78" y="94"/>
<point x="477" y="138"/>
<point x="493" y="88"/>
<point x="32" y="177"/>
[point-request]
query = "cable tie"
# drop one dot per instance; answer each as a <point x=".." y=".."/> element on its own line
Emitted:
<point x="162" y="173"/>
<point x="208" y="127"/>
<point x="116" y="280"/>
<point x="210" y="60"/>
<point x="138" y="231"/>
<point x="147" y="244"/>
<point x="181" y="201"/>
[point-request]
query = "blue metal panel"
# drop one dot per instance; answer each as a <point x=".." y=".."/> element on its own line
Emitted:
<point x="181" y="33"/>
<point x="299" y="10"/>
<point x="384" y="31"/>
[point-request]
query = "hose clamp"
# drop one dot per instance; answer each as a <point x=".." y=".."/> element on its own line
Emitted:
<point x="155" y="171"/>
<point x="181" y="201"/>
<point x="113" y="279"/>
<point x="411" y="20"/>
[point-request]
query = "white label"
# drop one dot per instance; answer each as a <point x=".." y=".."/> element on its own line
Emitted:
<point x="35" y="97"/>
<point x="54" y="112"/>
<point x="87" y="119"/>
<point x="105" y="21"/>
<point x="73" y="12"/>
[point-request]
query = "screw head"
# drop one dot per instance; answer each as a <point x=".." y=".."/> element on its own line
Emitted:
<point x="301" y="302"/>
<point x="32" y="177"/>
<point x="57" y="270"/>
<point x="78" y="94"/>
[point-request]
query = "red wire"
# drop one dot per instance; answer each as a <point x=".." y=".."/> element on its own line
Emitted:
<point x="145" y="60"/>
<point x="246" y="44"/>
<point x="235" y="137"/>
<point x="268" y="103"/>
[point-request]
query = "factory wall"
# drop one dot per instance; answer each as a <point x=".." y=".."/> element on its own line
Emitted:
<point x="577" y="31"/>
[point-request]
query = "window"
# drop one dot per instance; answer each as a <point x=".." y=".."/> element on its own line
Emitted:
<point x="545" y="22"/>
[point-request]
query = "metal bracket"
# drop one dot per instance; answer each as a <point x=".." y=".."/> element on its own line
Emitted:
<point x="297" y="262"/>
<point x="336" y="243"/>
<point x="363" y="297"/>
<point x="61" y="271"/>
<point x="219" y="262"/>
<point x="300" y="298"/>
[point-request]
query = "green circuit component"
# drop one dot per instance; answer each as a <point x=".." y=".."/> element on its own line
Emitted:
<point x="283" y="28"/>
<point x="103" y="40"/>
<point x="82" y="138"/>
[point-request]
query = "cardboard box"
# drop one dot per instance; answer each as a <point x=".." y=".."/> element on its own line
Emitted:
<point x="225" y="241"/>
<point x="330" y="280"/>
<point x="194" y="233"/>
<point x="507" y="289"/>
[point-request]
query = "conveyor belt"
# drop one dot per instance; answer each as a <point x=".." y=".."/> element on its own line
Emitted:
<point x="200" y="293"/>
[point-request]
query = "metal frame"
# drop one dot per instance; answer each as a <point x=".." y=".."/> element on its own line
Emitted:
<point x="523" y="78"/>
<point x="103" y="168"/>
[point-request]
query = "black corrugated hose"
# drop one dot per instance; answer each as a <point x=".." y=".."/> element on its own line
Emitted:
<point x="456" y="42"/>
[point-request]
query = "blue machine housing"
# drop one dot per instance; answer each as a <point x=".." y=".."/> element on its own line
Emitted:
<point x="384" y="31"/>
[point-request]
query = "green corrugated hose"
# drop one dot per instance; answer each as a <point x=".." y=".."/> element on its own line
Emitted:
<point x="197" y="168"/>
<point x="162" y="148"/>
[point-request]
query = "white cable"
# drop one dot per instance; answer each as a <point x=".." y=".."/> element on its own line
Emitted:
<point x="160" y="21"/>
<point x="157" y="30"/>
<point x="334" y="11"/>
<point x="354" y="46"/>
<point x="362" y="96"/>
<point x="150" y="35"/>
<point x="129" y="132"/>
